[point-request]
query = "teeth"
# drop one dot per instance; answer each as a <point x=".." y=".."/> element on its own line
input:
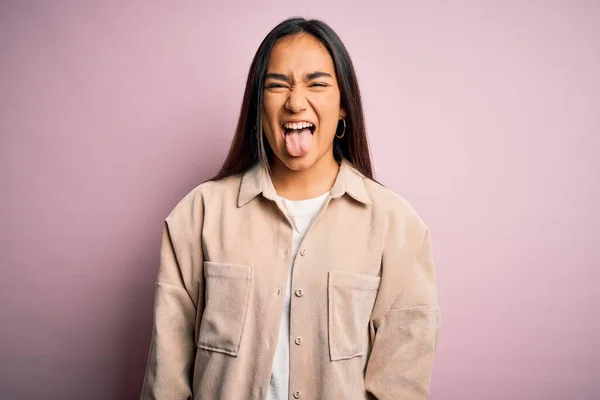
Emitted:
<point x="297" y="125"/>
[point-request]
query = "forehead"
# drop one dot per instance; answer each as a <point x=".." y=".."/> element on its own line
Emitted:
<point x="300" y="53"/>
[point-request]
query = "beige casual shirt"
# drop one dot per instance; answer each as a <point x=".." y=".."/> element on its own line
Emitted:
<point x="364" y="316"/>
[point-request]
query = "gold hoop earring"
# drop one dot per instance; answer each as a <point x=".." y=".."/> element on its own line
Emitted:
<point x="344" y="131"/>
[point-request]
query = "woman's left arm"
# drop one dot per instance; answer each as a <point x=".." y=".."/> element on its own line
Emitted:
<point x="405" y="340"/>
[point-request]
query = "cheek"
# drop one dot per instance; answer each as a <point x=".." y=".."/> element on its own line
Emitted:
<point x="267" y="116"/>
<point x="269" y="133"/>
<point x="265" y="123"/>
<point x="329" y="113"/>
<point x="270" y="115"/>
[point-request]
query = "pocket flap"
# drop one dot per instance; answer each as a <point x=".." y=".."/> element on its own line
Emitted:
<point x="348" y="279"/>
<point x="227" y="270"/>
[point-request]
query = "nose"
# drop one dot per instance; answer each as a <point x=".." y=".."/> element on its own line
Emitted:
<point x="296" y="101"/>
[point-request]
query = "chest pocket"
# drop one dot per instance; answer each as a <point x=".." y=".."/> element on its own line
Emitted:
<point x="351" y="299"/>
<point x="227" y="294"/>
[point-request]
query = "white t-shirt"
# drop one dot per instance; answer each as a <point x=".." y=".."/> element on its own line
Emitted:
<point x="301" y="213"/>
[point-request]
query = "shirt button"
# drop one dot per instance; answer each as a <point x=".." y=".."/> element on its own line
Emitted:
<point x="297" y="394"/>
<point x="303" y="252"/>
<point x="299" y="292"/>
<point x="298" y="341"/>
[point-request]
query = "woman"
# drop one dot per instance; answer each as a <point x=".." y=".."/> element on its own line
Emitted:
<point x="293" y="274"/>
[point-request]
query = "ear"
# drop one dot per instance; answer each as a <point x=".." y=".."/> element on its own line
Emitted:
<point x="342" y="113"/>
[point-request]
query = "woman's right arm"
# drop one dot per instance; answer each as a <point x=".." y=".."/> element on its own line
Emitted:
<point x="179" y="290"/>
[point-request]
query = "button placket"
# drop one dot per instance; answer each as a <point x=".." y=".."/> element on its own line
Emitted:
<point x="299" y="293"/>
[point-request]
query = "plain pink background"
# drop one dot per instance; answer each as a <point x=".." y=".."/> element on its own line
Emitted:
<point x="484" y="115"/>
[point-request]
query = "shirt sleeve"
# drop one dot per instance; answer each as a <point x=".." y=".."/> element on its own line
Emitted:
<point x="178" y="298"/>
<point x="401" y="360"/>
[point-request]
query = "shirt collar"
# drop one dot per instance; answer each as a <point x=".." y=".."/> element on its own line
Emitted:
<point x="257" y="180"/>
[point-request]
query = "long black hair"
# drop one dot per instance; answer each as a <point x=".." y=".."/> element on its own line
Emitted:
<point x="248" y="145"/>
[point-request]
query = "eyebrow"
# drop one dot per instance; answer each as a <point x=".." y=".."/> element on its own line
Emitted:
<point x="307" y="77"/>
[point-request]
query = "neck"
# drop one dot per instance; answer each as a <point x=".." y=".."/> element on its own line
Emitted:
<point x="305" y="183"/>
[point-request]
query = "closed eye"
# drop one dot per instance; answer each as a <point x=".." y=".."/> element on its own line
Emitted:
<point x="319" y="85"/>
<point x="275" y="86"/>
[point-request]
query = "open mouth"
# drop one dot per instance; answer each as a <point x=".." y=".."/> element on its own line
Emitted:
<point x="298" y="137"/>
<point x="288" y="128"/>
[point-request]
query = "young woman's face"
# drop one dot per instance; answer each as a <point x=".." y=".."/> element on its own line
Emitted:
<point x="301" y="102"/>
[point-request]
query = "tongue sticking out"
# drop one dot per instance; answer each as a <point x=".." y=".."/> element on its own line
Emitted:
<point x="298" y="141"/>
